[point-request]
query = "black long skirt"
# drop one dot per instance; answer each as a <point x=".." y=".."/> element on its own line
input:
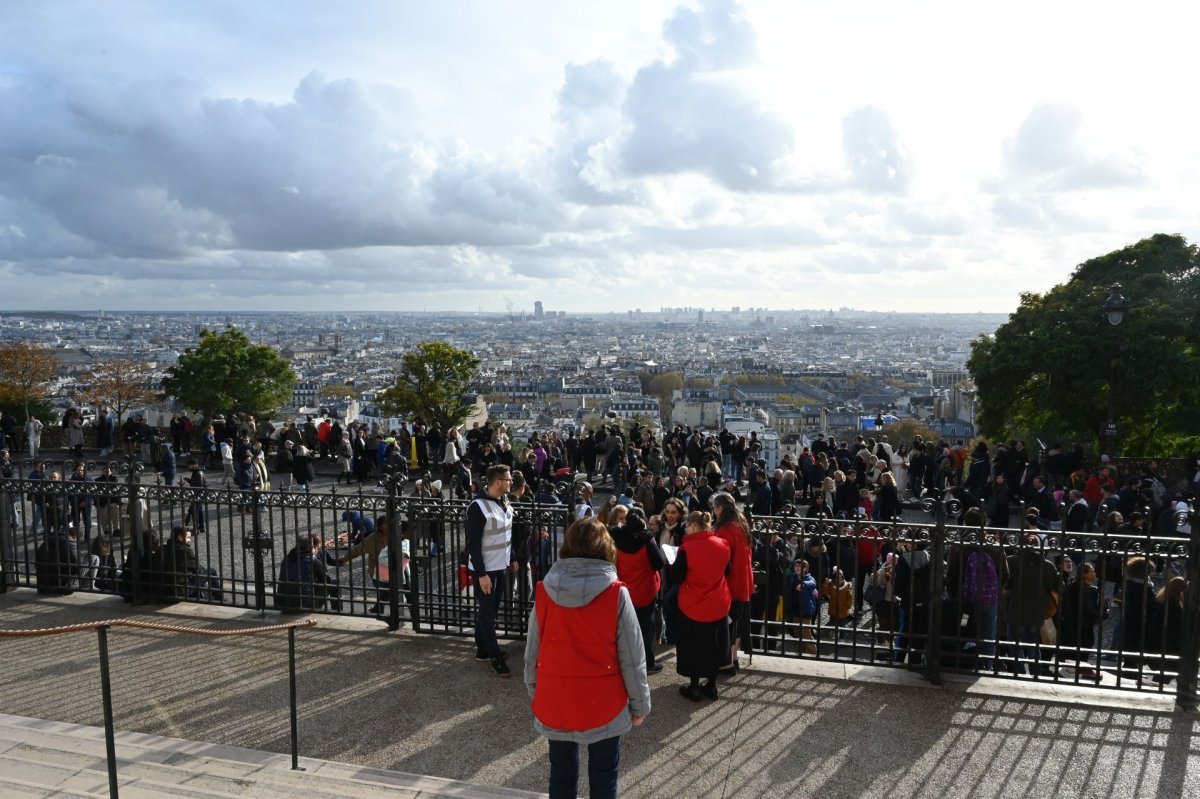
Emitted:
<point x="701" y="647"/>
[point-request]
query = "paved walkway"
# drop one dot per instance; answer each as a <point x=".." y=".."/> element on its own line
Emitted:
<point x="53" y="759"/>
<point x="421" y="705"/>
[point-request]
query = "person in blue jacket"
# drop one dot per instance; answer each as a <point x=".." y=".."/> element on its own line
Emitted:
<point x="804" y="599"/>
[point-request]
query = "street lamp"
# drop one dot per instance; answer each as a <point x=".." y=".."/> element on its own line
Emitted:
<point x="1115" y="308"/>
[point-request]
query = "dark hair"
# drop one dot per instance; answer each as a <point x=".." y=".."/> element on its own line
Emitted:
<point x="726" y="510"/>
<point x="496" y="472"/>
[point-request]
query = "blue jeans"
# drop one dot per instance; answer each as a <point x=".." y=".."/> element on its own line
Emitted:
<point x="205" y="585"/>
<point x="485" y="616"/>
<point x="1021" y="636"/>
<point x="604" y="757"/>
<point x="985" y="632"/>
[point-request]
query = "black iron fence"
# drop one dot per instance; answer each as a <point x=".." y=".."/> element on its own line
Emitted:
<point x="1116" y="609"/>
<point x="370" y="552"/>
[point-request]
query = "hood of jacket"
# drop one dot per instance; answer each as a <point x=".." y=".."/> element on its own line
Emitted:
<point x="575" y="582"/>
<point x="630" y="536"/>
<point x="628" y="541"/>
<point x="917" y="558"/>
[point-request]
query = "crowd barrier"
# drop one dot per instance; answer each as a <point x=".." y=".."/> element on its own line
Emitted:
<point x="1045" y="605"/>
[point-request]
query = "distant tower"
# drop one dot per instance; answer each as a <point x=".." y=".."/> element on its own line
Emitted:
<point x="538" y="313"/>
<point x="700" y="316"/>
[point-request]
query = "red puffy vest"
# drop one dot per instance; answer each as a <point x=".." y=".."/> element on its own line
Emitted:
<point x="704" y="595"/>
<point x="579" y="683"/>
<point x="635" y="572"/>
<point x="741" y="573"/>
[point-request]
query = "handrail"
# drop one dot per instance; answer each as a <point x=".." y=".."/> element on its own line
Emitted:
<point x="148" y="625"/>
<point x="102" y="628"/>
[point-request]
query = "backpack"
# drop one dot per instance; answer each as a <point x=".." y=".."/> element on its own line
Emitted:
<point x="981" y="583"/>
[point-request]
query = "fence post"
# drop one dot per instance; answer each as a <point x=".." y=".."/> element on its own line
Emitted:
<point x="8" y="523"/>
<point x="292" y="695"/>
<point x="937" y="586"/>
<point x="259" y="544"/>
<point x="395" y="554"/>
<point x="110" y="746"/>
<point x="1189" y="650"/>
<point x="135" y="531"/>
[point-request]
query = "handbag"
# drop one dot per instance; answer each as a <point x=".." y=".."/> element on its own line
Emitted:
<point x="874" y="594"/>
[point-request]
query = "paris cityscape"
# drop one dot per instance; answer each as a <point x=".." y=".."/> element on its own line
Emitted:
<point x="742" y="399"/>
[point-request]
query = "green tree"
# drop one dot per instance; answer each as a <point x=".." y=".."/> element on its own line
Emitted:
<point x="1048" y="370"/>
<point x="431" y="383"/>
<point x="225" y="373"/>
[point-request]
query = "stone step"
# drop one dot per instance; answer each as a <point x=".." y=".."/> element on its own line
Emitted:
<point x="45" y="758"/>
<point x="12" y="788"/>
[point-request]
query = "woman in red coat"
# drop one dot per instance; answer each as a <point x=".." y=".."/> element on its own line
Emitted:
<point x="639" y="561"/>
<point x="584" y="662"/>
<point x="702" y="631"/>
<point x="734" y="529"/>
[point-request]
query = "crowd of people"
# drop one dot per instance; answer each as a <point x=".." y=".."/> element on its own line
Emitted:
<point x="674" y="557"/>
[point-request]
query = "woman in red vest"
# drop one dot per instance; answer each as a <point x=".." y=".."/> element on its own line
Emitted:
<point x="639" y="561"/>
<point x="734" y="529"/>
<point x="585" y="664"/>
<point x="702" y="629"/>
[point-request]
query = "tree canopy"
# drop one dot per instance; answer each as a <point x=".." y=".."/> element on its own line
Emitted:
<point x="26" y="371"/>
<point x="119" y="383"/>
<point x="225" y="373"/>
<point x="431" y="383"/>
<point x="1048" y="370"/>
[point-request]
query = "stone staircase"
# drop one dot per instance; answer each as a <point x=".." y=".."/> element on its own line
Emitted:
<point x="53" y="759"/>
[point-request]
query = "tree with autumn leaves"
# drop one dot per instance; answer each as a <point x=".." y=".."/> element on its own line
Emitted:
<point x="26" y="371"/>
<point x="120" y="384"/>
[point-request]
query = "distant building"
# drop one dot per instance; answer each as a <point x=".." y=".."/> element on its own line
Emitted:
<point x="696" y="408"/>
<point x="632" y="407"/>
<point x="538" y="311"/>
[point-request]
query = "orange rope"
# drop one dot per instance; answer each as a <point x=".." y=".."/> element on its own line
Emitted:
<point x="149" y="625"/>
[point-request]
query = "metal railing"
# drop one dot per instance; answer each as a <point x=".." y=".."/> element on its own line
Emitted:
<point x="293" y="551"/>
<point x="315" y="552"/>
<point x="102" y="628"/>
<point x="1111" y="609"/>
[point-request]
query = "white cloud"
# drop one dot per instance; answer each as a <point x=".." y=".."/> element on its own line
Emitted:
<point x="425" y="156"/>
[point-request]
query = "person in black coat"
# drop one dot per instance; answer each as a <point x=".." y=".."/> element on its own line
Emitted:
<point x="887" y="499"/>
<point x="303" y="471"/>
<point x="845" y="495"/>
<point x="997" y="505"/>
<point x="773" y="557"/>
<point x="304" y="582"/>
<point x="56" y="564"/>
<point x="1082" y="610"/>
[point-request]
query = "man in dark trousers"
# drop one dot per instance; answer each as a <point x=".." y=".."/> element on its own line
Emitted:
<point x="489" y="557"/>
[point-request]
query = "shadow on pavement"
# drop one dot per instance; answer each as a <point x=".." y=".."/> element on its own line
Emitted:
<point x="421" y="704"/>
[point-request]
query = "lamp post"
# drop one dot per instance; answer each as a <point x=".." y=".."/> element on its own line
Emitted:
<point x="1115" y="308"/>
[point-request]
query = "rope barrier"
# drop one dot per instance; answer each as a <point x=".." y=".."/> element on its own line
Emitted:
<point x="148" y="625"/>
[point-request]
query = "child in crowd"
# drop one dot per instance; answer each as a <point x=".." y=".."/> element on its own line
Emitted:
<point x="838" y="591"/>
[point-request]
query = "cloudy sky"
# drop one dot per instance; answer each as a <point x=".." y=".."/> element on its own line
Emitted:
<point x="430" y="156"/>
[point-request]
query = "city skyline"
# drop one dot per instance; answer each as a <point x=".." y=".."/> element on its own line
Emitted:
<point x="482" y="157"/>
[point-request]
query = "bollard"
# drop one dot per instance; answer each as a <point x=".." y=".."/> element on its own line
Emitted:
<point x="110" y="746"/>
